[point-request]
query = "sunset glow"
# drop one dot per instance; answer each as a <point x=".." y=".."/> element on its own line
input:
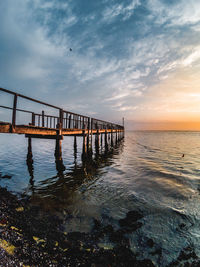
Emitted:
<point x="112" y="59"/>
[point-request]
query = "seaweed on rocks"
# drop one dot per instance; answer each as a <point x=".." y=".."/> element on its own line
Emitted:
<point x="187" y="257"/>
<point x="29" y="236"/>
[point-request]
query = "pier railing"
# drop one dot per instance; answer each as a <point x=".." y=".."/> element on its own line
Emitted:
<point x="65" y="120"/>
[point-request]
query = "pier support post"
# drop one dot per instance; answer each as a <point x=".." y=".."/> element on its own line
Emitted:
<point x="29" y="159"/>
<point x="106" y="141"/>
<point x="89" y="147"/>
<point x="75" y="151"/>
<point x="29" y="162"/>
<point x="91" y="133"/>
<point x="58" y="157"/>
<point x="111" y="138"/>
<point x="14" y="113"/>
<point x="97" y="142"/>
<point x="29" y="155"/>
<point x="58" y="149"/>
<point x="75" y="144"/>
<point x="101" y="141"/>
<point x="84" y="151"/>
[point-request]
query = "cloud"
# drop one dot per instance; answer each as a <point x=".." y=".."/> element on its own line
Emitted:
<point x="193" y="57"/>
<point x="126" y="11"/>
<point x="124" y="54"/>
<point x="175" y="13"/>
<point x="128" y="108"/>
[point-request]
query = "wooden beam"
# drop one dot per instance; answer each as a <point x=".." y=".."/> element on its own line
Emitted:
<point x="60" y="137"/>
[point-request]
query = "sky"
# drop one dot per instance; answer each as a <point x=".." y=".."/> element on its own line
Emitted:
<point x="138" y="59"/>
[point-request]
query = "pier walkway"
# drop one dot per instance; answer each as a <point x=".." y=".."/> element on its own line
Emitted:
<point x="55" y="122"/>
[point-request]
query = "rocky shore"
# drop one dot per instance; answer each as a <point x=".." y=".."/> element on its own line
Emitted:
<point x="31" y="237"/>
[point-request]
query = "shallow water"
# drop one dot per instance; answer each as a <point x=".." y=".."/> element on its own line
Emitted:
<point x="146" y="172"/>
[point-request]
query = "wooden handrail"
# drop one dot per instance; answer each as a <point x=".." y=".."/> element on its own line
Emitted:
<point x="84" y="120"/>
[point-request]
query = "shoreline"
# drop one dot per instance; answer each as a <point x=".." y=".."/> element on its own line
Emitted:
<point x="30" y="236"/>
<point x="34" y="238"/>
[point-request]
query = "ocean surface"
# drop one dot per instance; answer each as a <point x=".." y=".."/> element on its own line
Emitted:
<point x="155" y="173"/>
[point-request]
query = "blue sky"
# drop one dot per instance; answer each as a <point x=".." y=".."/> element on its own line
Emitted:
<point x="136" y="58"/>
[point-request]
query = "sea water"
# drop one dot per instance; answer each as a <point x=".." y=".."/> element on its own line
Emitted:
<point x="155" y="173"/>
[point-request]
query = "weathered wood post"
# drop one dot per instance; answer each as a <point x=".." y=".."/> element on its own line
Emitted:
<point x="58" y="151"/>
<point x="42" y="118"/>
<point x="65" y="120"/>
<point x="58" y="148"/>
<point x="61" y="118"/>
<point x="101" y="141"/>
<point x="91" y="136"/>
<point x="109" y="133"/>
<point x="88" y="136"/>
<point x="14" y="112"/>
<point x="29" y="160"/>
<point x="106" y="141"/>
<point x="84" y="145"/>
<point x="116" y="140"/>
<point x="59" y="137"/>
<point x="58" y="156"/>
<point x="75" y="147"/>
<point x="69" y="126"/>
<point x="97" y="140"/>
<point x="29" y="154"/>
<point x="111" y="137"/>
<point x="75" y="143"/>
<point x="33" y="119"/>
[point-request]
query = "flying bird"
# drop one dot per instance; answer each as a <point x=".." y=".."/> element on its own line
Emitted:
<point x="70" y="49"/>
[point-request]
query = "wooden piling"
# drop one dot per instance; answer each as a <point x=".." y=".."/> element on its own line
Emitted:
<point x="75" y="143"/>
<point x="101" y="141"/>
<point x="14" y="111"/>
<point x="29" y="161"/>
<point x="75" y="149"/>
<point x="29" y="154"/>
<point x="106" y="140"/>
<point x="58" y="149"/>
<point x="111" y="138"/>
<point x="97" y="142"/>
<point x="42" y="118"/>
<point x="88" y="136"/>
<point x="91" y="128"/>
<point x="84" y="151"/>
<point x="69" y="126"/>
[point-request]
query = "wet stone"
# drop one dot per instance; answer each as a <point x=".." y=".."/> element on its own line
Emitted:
<point x="187" y="257"/>
<point x="130" y="222"/>
<point x="145" y="263"/>
<point x="158" y="251"/>
<point x="150" y="243"/>
<point x="119" y="238"/>
<point x="6" y="177"/>
<point x="182" y="226"/>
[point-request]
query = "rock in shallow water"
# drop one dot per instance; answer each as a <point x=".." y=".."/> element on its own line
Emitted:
<point x="130" y="222"/>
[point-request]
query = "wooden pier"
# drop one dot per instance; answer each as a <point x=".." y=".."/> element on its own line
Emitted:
<point x="56" y="126"/>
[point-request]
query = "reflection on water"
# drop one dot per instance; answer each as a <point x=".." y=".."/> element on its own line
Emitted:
<point x="57" y="192"/>
<point x="146" y="172"/>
